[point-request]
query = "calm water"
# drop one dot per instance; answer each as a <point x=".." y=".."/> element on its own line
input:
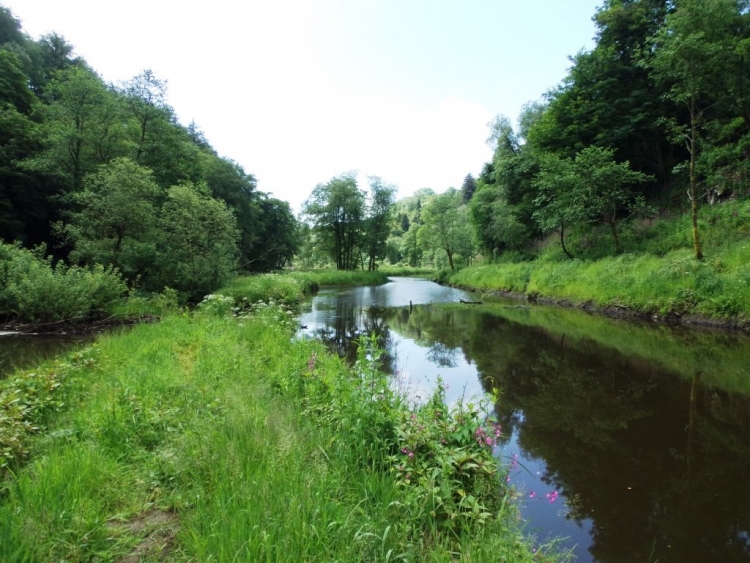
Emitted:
<point x="644" y="431"/>
<point x="19" y="351"/>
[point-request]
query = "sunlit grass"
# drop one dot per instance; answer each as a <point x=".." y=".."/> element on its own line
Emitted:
<point x="392" y="270"/>
<point x="664" y="278"/>
<point x="207" y="437"/>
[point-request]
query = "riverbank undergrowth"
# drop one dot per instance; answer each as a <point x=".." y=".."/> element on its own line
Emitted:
<point x="660" y="277"/>
<point x="212" y="437"/>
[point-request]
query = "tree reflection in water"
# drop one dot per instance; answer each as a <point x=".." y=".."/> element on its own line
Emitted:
<point x="656" y="460"/>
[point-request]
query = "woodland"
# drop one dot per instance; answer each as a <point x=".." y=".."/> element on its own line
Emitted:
<point x="648" y="128"/>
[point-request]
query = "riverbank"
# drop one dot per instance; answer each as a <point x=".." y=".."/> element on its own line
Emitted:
<point x="674" y="288"/>
<point x="212" y="436"/>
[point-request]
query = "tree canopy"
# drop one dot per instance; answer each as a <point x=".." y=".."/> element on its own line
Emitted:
<point x="105" y="174"/>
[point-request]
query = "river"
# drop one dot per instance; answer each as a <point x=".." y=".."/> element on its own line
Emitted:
<point x="19" y="351"/>
<point x="630" y="441"/>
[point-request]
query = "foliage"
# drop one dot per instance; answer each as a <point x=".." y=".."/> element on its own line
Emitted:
<point x="665" y="282"/>
<point x="446" y="463"/>
<point x="198" y="244"/>
<point x="377" y="224"/>
<point x="336" y="210"/>
<point x="446" y="227"/>
<point x="693" y="51"/>
<point x="33" y="289"/>
<point x="116" y="219"/>
<point x="28" y="400"/>
<point x="290" y="288"/>
<point x="98" y="160"/>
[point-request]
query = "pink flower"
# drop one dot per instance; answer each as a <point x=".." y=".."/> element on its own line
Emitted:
<point x="552" y="497"/>
<point x="532" y="494"/>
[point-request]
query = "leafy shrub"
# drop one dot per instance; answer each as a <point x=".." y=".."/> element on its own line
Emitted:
<point x="26" y="402"/>
<point x="33" y="289"/>
<point x="446" y="464"/>
<point x="441" y="456"/>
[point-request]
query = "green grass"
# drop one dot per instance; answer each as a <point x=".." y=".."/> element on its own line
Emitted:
<point x="341" y="277"/>
<point x="292" y="287"/>
<point x="212" y="438"/>
<point x="663" y="277"/>
<point x="395" y="270"/>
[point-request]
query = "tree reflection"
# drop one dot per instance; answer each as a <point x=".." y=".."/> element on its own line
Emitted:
<point x="661" y="475"/>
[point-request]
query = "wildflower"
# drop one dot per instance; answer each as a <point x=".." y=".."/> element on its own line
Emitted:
<point x="551" y="497"/>
<point x="411" y="454"/>
<point x="532" y="494"/>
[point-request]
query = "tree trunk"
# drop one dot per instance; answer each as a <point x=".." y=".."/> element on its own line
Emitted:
<point x="562" y="240"/>
<point x="613" y="225"/>
<point x="693" y="182"/>
<point x="450" y="258"/>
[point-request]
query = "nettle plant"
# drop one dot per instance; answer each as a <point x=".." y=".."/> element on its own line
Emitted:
<point x="446" y="461"/>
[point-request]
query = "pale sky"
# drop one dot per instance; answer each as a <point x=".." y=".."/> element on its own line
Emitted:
<point x="300" y="91"/>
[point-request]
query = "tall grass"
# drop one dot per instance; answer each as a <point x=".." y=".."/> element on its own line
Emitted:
<point x="208" y="437"/>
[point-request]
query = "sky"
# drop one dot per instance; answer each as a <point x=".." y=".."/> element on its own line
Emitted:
<point x="298" y="91"/>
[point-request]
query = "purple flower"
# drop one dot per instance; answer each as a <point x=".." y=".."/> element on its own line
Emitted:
<point x="551" y="497"/>
<point x="532" y="494"/>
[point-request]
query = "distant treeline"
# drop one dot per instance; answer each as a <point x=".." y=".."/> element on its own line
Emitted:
<point x="105" y="174"/>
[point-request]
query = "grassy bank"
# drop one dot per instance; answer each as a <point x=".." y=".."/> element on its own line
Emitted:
<point x="292" y="287"/>
<point x="392" y="270"/>
<point x="660" y="275"/>
<point x="210" y="437"/>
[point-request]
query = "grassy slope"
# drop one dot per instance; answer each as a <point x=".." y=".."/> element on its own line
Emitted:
<point x="195" y="439"/>
<point x="658" y="276"/>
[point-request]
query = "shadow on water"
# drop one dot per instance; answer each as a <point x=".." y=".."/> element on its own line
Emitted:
<point x="644" y="431"/>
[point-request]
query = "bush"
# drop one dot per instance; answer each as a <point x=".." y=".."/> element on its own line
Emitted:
<point x="33" y="289"/>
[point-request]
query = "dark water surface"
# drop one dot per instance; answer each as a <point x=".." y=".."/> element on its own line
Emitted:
<point x="18" y="351"/>
<point x="642" y="430"/>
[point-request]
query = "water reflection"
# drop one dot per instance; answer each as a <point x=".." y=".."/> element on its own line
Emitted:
<point x="643" y="431"/>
